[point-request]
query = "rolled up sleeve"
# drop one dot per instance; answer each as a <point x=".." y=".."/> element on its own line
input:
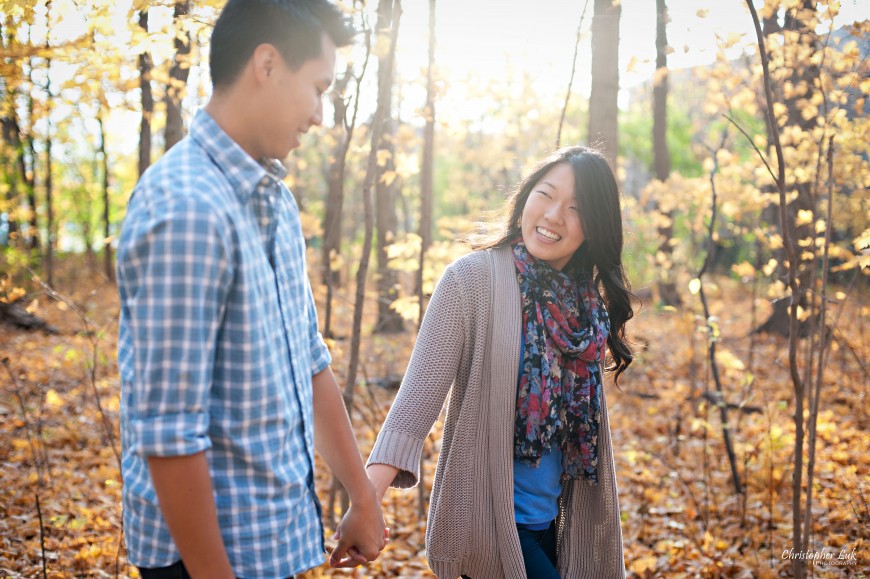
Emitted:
<point x="177" y="275"/>
<point x="320" y="356"/>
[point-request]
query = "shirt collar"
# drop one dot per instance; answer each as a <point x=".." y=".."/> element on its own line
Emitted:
<point x="241" y="170"/>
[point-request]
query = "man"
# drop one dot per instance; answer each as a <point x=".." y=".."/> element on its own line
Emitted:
<point x="226" y="386"/>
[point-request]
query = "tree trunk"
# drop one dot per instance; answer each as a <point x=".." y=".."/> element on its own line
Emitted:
<point x="605" y="78"/>
<point x="85" y="205"/>
<point x="108" y="266"/>
<point x="50" y="226"/>
<point x="147" y="101"/>
<point x="389" y="319"/>
<point x="335" y="188"/>
<point x="427" y="166"/>
<point x="28" y="173"/>
<point x="29" y="177"/>
<point x="10" y="143"/>
<point x="661" y="154"/>
<point x="803" y="76"/>
<point x="335" y="201"/>
<point x="177" y="76"/>
<point x="9" y="134"/>
<point x="667" y="287"/>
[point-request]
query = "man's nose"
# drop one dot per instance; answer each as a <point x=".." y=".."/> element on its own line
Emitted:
<point x="317" y="117"/>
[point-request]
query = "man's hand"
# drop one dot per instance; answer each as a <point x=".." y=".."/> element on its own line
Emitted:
<point x="361" y="535"/>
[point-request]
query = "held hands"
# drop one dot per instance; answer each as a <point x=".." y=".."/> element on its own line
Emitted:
<point x="361" y="534"/>
<point x="353" y="556"/>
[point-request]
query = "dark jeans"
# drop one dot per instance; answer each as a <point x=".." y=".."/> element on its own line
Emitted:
<point x="539" y="552"/>
<point x="174" y="571"/>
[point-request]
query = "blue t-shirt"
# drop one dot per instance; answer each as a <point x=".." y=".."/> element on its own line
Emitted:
<point x="537" y="490"/>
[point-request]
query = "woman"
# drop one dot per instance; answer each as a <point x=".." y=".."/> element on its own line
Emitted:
<point x="525" y="485"/>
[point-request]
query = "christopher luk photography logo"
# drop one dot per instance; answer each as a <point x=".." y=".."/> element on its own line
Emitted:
<point x="824" y="556"/>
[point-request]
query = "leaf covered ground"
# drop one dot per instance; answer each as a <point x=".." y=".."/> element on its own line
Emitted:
<point x="680" y="514"/>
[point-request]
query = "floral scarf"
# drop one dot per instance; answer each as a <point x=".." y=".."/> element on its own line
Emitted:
<point x="565" y="327"/>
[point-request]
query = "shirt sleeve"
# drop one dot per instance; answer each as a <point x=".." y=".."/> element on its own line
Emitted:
<point x="320" y="357"/>
<point x="176" y="273"/>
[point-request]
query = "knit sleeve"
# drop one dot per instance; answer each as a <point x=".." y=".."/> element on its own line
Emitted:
<point x="430" y="374"/>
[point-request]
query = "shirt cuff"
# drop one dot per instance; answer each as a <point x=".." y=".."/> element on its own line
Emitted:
<point x="171" y="434"/>
<point x="320" y="357"/>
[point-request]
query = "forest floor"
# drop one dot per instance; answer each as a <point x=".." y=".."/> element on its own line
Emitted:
<point x="60" y="486"/>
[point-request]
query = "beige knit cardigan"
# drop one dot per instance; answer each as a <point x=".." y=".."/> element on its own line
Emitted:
<point x="470" y="341"/>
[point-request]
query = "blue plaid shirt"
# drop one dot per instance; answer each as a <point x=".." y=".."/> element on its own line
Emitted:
<point x="218" y="343"/>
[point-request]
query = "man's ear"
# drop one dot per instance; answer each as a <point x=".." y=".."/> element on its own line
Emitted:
<point x="264" y="61"/>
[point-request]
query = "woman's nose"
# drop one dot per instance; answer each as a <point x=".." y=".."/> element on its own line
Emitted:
<point x="555" y="212"/>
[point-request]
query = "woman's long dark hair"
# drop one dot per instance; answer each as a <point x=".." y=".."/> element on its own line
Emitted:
<point x="598" y="202"/>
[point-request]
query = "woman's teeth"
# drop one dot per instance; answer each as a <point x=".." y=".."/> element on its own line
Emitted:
<point x="548" y="234"/>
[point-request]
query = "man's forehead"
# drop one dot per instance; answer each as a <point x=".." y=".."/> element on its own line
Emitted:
<point x="327" y="49"/>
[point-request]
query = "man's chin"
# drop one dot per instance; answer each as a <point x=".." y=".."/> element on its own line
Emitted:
<point x="283" y="152"/>
<point x="292" y="145"/>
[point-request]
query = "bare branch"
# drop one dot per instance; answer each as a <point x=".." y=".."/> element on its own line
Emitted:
<point x="752" y="143"/>
<point x="41" y="537"/>
<point x="573" y="69"/>
<point x="711" y="348"/>
<point x="94" y="336"/>
<point x="822" y="347"/>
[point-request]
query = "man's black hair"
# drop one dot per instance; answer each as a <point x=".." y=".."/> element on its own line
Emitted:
<point x="293" y="27"/>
